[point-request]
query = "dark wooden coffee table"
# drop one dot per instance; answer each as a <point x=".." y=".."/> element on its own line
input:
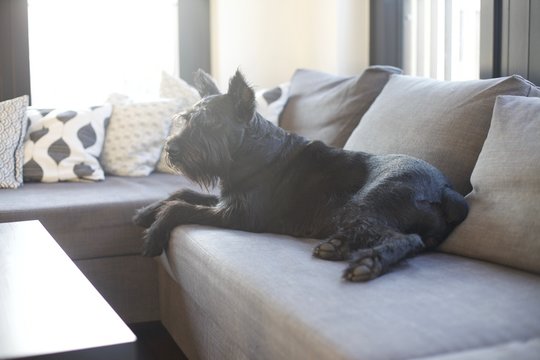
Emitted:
<point x="47" y="307"/>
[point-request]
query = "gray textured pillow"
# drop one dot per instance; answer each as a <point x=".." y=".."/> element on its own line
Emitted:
<point x="504" y="222"/>
<point x="328" y="107"/>
<point x="442" y="122"/>
<point x="172" y="87"/>
<point x="136" y="135"/>
<point x="12" y="131"/>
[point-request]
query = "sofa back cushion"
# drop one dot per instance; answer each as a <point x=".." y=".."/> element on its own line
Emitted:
<point x="327" y="107"/>
<point x="503" y="222"/>
<point x="442" y="122"/>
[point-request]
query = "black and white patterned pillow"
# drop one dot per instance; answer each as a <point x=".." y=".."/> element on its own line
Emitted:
<point x="270" y="102"/>
<point x="64" y="145"/>
<point x="12" y="131"/>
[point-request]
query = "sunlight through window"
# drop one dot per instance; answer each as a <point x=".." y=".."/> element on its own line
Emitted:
<point x="82" y="51"/>
<point x="441" y="38"/>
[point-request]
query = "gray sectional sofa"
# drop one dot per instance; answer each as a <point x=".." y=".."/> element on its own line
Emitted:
<point x="225" y="294"/>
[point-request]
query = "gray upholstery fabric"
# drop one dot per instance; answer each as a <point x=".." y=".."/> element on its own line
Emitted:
<point x="89" y="219"/>
<point x="264" y="296"/>
<point x="327" y="107"/>
<point x="442" y="122"/>
<point x="503" y="224"/>
<point x="517" y="350"/>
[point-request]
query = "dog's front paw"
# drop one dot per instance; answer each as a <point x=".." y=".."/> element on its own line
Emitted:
<point x="366" y="266"/>
<point x="154" y="242"/>
<point x="333" y="249"/>
<point x="145" y="216"/>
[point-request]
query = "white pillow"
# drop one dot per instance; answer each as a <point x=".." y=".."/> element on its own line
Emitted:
<point x="175" y="88"/>
<point x="65" y="144"/>
<point x="172" y="87"/>
<point x="12" y="130"/>
<point x="136" y="135"/>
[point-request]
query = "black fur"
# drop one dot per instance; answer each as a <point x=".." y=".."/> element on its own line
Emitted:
<point x="373" y="210"/>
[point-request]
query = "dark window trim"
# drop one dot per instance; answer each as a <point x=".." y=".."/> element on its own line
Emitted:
<point x="193" y="37"/>
<point x="490" y="38"/>
<point x="386" y="32"/>
<point x="14" y="60"/>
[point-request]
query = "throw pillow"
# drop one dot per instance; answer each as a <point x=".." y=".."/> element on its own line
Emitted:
<point x="327" y="107"/>
<point x="136" y="135"/>
<point x="65" y="144"/>
<point x="175" y="88"/>
<point x="503" y="222"/>
<point x="12" y="130"/>
<point x="442" y="122"/>
<point x="270" y="102"/>
<point x="172" y="87"/>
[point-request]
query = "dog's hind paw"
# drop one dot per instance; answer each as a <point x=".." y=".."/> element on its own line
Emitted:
<point x="366" y="266"/>
<point x="333" y="249"/>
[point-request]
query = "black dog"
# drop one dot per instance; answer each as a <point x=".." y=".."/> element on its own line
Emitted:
<point x="373" y="210"/>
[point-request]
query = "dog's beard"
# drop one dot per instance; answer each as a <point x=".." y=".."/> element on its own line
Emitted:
<point x="204" y="161"/>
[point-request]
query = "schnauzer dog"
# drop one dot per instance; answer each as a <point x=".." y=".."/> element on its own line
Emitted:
<point x="373" y="210"/>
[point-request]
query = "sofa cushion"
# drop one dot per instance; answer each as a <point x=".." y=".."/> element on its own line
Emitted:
<point x="136" y="135"/>
<point x="503" y="223"/>
<point x="442" y="122"/>
<point x="264" y="296"/>
<point x="522" y="350"/>
<point x="89" y="219"/>
<point x="327" y="107"/>
<point x="12" y="131"/>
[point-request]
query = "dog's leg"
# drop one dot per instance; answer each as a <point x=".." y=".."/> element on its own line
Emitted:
<point x="145" y="216"/>
<point x="368" y="264"/>
<point x="363" y="232"/>
<point x="174" y="213"/>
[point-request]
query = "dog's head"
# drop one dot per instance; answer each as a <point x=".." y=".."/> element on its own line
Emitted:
<point x="212" y="130"/>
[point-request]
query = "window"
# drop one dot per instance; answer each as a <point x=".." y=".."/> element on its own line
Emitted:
<point x="82" y="51"/>
<point x="441" y="38"/>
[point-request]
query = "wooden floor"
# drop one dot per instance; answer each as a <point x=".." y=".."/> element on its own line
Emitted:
<point x="155" y="343"/>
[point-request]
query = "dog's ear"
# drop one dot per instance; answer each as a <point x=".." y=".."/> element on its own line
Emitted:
<point x="243" y="97"/>
<point x="204" y="84"/>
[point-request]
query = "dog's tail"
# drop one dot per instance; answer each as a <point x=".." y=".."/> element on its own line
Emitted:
<point x="454" y="206"/>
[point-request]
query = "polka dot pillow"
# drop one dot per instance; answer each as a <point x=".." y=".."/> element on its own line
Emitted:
<point x="270" y="102"/>
<point x="64" y="145"/>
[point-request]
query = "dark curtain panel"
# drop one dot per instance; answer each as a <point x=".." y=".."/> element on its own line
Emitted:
<point x="14" y="60"/>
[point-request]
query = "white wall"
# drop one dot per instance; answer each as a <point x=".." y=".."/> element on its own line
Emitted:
<point x="269" y="39"/>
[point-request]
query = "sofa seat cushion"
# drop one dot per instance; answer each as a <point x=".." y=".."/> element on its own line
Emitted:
<point x="272" y="299"/>
<point x="90" y="220"/>
<point x="522" y="350"/>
